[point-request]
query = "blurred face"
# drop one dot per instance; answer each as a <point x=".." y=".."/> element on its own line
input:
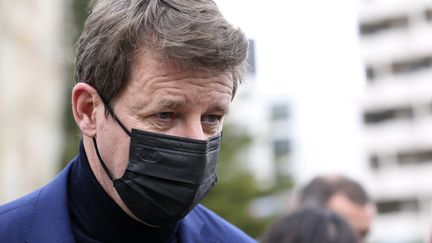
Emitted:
<point x="358" y="216"/>
<point x="160" y="99"/>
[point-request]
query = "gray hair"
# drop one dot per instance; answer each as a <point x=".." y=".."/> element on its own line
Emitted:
<point x="189" y="34"/>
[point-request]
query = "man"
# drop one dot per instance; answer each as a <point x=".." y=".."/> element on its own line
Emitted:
<point x="155" y="79"/>
<point x="343" y="196"/>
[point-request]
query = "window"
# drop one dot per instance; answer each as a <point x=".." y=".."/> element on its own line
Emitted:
<point x="281" y="148"/>
<point x="413" y="65"/>
<point x="279" y="112"/>
<point x="374" y="162"/>
<point x="401" y="158"/>
<point x="401" y="205"/>
<point x="375" y="27"/>
<point x="379" y="116"/>
<point x="428" y="14"/>
<point x="370" y="73"/>
<point x="414" y="157"/>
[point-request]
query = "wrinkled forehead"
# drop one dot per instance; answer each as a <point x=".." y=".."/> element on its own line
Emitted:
<point x="149" y="68"/>
<point x="150" y="60"/>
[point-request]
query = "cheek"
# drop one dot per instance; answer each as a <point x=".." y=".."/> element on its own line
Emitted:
<point x="114" y="147"/>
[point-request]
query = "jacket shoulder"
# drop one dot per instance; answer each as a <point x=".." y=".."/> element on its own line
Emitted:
<point x="16" y="217"/>
<point x="39" y="217"/>
<point x="202" y="222"/>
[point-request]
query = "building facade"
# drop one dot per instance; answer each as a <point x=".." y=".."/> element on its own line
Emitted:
<point x="396" y="46"/>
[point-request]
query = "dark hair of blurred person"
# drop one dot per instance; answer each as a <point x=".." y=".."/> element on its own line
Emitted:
<point x="343" y="196"/>
<point x="310" y="225"/>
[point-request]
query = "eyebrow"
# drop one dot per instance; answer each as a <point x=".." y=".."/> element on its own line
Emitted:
<point x="170" y="104"/>
<point x="220" y="108"/>
<point x="173" y="104"/>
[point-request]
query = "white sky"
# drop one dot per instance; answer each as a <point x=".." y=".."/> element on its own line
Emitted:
<point x="308" y="50"/>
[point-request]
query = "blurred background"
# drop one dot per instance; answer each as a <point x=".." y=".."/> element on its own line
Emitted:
<point x="336" y="86"/>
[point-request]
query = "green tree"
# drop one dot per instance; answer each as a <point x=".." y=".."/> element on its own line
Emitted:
<point x="236" y="187"/>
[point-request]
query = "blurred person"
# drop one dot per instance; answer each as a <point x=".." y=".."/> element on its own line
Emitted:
<point x="155" y="80"/>
<point x="343" y="196"/>
<point x="310" y="225"/>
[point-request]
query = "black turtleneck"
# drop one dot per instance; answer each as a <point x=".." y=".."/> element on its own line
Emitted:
<point x="95" y="217"/>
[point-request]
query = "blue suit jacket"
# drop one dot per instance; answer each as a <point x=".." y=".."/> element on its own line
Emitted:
<point x="43" y="217"/>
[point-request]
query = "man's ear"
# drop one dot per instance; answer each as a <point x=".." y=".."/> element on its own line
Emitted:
<point x="85" y="100"/>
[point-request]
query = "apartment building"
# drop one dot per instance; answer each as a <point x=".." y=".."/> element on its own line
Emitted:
<point x="396" y="46"/>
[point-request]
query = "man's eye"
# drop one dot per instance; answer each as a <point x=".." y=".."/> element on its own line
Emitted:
<point x="211" y="118"/>
<point x="164" y="115"/>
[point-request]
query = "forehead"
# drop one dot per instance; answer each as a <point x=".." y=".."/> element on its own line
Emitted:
<point x="152" y="81"/>
<point x="147" y="62"/>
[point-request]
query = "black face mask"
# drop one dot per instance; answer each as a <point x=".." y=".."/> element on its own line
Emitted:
<point x="166" y="176"/>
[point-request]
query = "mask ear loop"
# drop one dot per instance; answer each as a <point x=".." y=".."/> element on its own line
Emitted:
<point x="101" y="160"/>
<point x="111" y="112"/>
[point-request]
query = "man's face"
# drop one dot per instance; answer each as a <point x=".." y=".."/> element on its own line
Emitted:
<point x="358" y="216"/>
<point x="161" y="99"/>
